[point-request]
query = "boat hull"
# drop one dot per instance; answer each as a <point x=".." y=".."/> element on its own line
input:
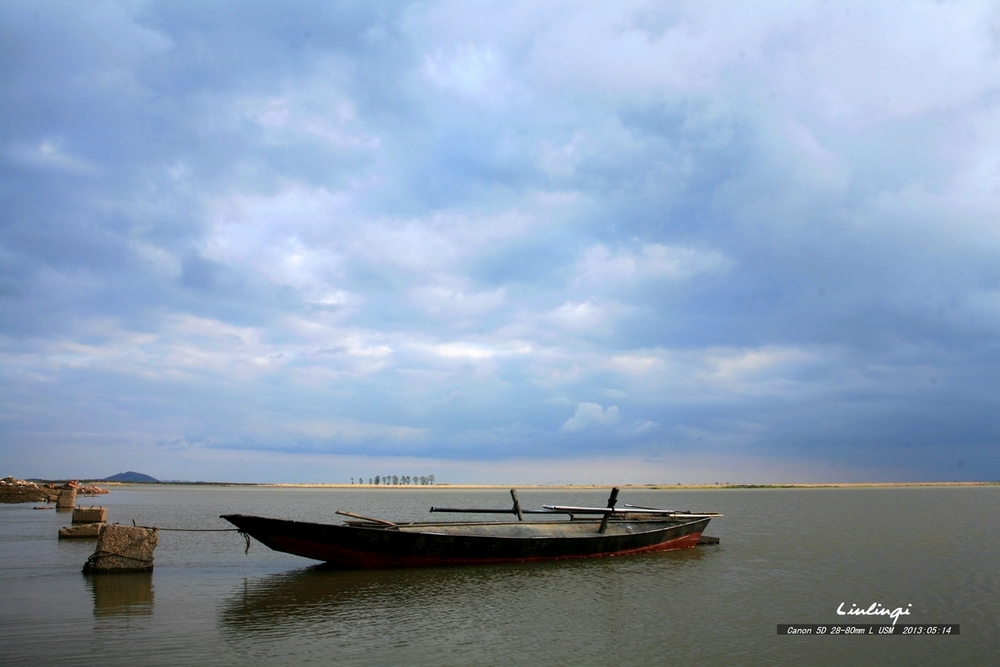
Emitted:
<point x="445" y="544"/>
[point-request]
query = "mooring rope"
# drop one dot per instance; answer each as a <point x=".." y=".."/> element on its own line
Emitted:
<point x="246" y="536"/>
<point x="100" y="554"/>
<point x="202" y="530"/>
<point x="105" y="554"/>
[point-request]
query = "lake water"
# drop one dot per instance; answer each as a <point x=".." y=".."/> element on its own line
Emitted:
<point x="786" y="556"/>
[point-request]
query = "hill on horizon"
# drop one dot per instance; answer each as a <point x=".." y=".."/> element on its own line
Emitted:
<point x="130" y="476"/>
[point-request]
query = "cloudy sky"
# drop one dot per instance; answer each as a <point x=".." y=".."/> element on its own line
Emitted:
<point x="505" y="242"/>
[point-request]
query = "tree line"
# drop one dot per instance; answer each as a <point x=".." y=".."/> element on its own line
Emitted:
<point x="388" y="480"/>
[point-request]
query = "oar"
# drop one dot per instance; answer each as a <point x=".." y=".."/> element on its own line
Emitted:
<point x="473" y="510"/>
<point x="516" y="509"/>
<point x="624" y="509"/>
<point x="366" y="518"/>
<point x="573" y="509"/>
<point x="489" y="510"/>
<point x="643" y="510"/>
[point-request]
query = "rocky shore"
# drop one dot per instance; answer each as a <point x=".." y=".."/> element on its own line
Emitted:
<point x="14" y="490"/>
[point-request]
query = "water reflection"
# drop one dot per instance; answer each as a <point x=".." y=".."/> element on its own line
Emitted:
<point x="285" y="597"/>
<point x="122" y="594"/>
<point x="315" y="595"/>
<point x="454" y="615"/>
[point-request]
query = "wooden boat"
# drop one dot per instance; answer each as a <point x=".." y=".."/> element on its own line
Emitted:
<point x="583" y="532"/>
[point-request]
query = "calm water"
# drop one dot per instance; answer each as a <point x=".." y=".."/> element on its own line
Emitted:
<point x="787" y="556"/>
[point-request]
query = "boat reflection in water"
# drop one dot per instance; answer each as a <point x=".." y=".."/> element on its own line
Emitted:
<point x="312" y="596"/>
<point x="122" y="593"/>
<point x="448" y="615"/>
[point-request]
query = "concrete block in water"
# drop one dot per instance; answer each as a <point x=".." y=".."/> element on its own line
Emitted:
<point x="123" y="549"/>
<point x="90" y="530"/>
<point x="90" y="515"/>
<point x="66" y="499"/>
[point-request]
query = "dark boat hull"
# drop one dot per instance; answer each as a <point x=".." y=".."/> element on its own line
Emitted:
<point x="432" y="545"/>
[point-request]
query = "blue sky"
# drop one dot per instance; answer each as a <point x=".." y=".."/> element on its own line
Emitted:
<point x="501" y="242"/>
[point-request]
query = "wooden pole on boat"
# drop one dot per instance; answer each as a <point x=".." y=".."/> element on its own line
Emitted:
<point x="611" y="506"/>
<point x="366" y="518"/>
<point x="517" y="505"/>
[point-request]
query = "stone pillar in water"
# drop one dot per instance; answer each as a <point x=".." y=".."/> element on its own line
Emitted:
<point x="123" y="549"/>
<point x="87" y="522"/>
<point x="90" y="515"/>
<point x="66" y="499"/>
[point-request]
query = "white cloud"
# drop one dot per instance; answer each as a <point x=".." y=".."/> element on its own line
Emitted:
<point x="473" y="72"/>
<point x="749" y="365"/>
<point x="52" y="153"/>
<point x="458" y="301"/>
<point x="590" y="415"/>
<point x="284" y="238"/>
<point x="316" y="109"/>
<point x="870" y="65"/>
<point x="600" y="266"/>
<point x="353" y="430"/>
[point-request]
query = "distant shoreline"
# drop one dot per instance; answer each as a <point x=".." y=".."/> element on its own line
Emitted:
<point x="657" y="487"/>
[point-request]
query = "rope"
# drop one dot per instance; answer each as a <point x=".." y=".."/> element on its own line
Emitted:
<point x="246" y="536"/>
<point x="91" y="564"/>
<point x="202" y="530"/>
<point x="97" y="555"/>
<point x="104" y="554"/>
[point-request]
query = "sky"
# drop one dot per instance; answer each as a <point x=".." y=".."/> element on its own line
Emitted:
<point x="500" y="242"/>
